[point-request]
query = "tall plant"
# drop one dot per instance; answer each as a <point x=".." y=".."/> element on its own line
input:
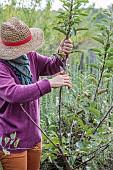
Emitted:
<point x="86" y="126"/>
<point x="93" y="99"/>
<point x="68" y="21"/>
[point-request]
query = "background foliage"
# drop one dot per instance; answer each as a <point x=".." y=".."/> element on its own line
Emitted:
<point x="86" y="118"/>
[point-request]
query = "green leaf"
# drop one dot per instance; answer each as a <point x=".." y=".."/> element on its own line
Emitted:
<point x="55" y="140"/>
<point x="72" y="160"/>
<point x="77" y="6"/>
<point x="90" y="86"/>
<point x="83" y="13"/>
<point x="93" y="110"/>
<point x="111" y="49"/>
<point x="92" y="79"/>
<point x="67" y="4"/>
<point x="105" y="20"/>
<point x="44" y="137"/>
<point x="86" y="149"/>
<point x="93" y="65"/>
<point x="112" y="24"/>
<point x="7" y="140"/>
<point x="54" y="133"/>
<point x="80" y="144"/>
<point x="108" y="75"/>
<point x="108" y="32"/>
<point x="96" y="50"/>
<point x="109" y="64"/>
<point x="111" y="34"/>
<point x="52" y="127"/>
<point x="80" y="122"/>
<point x="16" y="143"/>
<point x="90" y="131"/>
<point x="65" y="151"/>
<point x="48" y="146"/>
<point x="60" y="30"/>
<point x="98" y="39"/>
<point x="66" y="8"/>
<point x="106" y="80"/>
<point x="47" y="155"/>
<point x="103" y="27"/>
<point x="107" y="13"/>
<point x="110" y="54"/>
<point x="80" y="29"/>
<point x="13" y="135"/>
<point x="82" y="1"/>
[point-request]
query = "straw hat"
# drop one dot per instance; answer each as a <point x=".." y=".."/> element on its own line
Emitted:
<point x="17" y="39"/>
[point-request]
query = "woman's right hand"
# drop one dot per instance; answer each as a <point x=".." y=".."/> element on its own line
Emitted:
<point x="59" y="81"/>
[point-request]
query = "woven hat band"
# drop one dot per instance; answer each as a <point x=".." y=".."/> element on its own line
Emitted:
<point x="17" y="43"/>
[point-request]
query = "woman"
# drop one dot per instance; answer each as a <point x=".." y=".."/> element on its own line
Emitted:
<point x="20" y="91"/>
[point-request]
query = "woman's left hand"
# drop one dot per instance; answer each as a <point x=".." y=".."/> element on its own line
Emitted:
<point x="66" y="46"/>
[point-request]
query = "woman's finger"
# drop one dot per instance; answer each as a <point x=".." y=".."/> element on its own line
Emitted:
<point x="67" y="82"/>
<point x="68" y="45"/>
<point x="67" y="48"/>
<point x="68" y="85"/>
<point x="68" y="41"/>
<point x="65" y="76"/>
<point x="66" y="51"/>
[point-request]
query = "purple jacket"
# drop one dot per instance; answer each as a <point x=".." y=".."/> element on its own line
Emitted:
<point x="12" y="94"/>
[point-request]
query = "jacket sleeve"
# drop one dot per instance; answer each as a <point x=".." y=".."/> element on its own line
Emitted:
<point x="16" y="93"/>
<point x="47" y="66"/>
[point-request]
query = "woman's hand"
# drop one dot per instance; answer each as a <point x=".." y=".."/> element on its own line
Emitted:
<point x="66" y="46"/>
<point x="59" y="81"/>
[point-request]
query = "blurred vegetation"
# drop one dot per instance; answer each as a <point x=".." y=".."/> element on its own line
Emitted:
<point x="87" y="120"/>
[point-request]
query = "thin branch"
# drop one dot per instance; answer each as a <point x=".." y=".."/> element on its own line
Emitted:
<point x="65" y="159"/>
<point x="60" y="117"/>
<point x="99" y="149"/>
<point x="85" y="162"/>
<point x="57" y="146"/>
<point x="70" y="20"/>
<point x="37" y="126"/>
<point x="60" y="95"/>
<point x="102" y="119"/>
<point x="103" y="67"/>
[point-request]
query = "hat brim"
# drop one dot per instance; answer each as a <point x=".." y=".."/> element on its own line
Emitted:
<point x="12" y="52"/>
